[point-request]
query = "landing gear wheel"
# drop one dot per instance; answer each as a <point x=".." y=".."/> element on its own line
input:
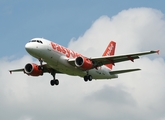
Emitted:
<point x="54" y="82"/>
<point x="85" y="78"/>
<point x="89" y="77"/>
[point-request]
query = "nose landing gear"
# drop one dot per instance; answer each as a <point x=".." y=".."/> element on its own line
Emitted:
<point x="41" y="65"/>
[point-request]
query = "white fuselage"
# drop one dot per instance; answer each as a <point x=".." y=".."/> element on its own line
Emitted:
<point x="57" y="57"/>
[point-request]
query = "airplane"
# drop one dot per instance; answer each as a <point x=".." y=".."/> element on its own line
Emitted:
<point x="60" y="60"/>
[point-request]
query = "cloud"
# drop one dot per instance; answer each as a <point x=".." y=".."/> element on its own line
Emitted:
<point x="138" y="95"/>
<point x="114" y="95"/>
<point x="133" y="30"/>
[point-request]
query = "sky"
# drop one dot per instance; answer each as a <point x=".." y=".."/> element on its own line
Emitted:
<point x="86" y="27"/>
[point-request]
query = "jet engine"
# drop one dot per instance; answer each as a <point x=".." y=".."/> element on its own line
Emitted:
<point x="33" y="69"/>
<point x="83" y="63"/>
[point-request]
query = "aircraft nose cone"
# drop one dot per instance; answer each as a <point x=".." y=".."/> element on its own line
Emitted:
<point x="27" y="47"/>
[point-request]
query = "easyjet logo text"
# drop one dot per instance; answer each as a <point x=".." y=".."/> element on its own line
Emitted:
<point x="65" y="51"/>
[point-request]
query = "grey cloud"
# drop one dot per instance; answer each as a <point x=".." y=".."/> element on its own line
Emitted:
<point x="114" y="95"/>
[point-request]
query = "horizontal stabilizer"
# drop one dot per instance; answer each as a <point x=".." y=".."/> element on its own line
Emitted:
<point x="123" y="71"/>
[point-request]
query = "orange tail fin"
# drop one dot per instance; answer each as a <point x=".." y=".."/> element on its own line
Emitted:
<point x="110" y="51"/>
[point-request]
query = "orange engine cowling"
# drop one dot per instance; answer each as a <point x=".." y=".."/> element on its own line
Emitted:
<point x="83" y="63"/>
<point x="33" y="69"/>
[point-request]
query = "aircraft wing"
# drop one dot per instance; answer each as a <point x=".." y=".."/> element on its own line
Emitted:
<point x="119" y="58"/>
<point x="46" y="68"/>
<point x="99" y="61"/>
<point x="16" y="70"/>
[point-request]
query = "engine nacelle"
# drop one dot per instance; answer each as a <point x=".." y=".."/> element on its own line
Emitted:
<point x="33" y="69"/>
<point x="83" y="63"/>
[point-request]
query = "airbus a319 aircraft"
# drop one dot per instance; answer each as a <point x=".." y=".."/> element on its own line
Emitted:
<point x="61" y="60"/>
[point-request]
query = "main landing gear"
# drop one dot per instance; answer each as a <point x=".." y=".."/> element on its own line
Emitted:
<point x="54" y="81"/>
<point x="87" y="77"/>
<point x="53" y="73"/>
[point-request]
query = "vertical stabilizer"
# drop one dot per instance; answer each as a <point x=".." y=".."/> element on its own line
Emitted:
<point x="110" y="51"/>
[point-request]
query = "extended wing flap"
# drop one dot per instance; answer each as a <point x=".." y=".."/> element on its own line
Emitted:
<point x="123" y="71"/>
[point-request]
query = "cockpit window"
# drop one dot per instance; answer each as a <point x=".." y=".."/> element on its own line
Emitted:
<point x="39" y="41"/>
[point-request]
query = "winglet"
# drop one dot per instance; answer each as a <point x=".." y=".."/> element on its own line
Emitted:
<point x="10" y="72"/>
<point x="158" y="51"/>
